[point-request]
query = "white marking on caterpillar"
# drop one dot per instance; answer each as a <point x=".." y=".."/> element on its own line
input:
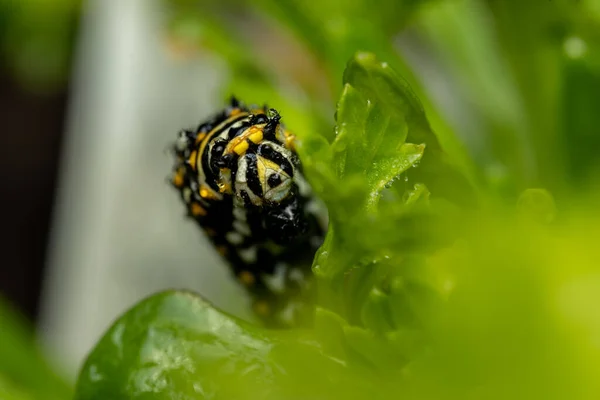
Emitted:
<point x="303" y="186"/>
<point x="248" y="255"/>
<point x="187" y="194"/>
<point x="287" y="314"/>
<point x="239" y="212"/>
<point x="242" y="228"/>
<point x="241" y="183"/>
<point x="296" y="275"/>
<point x="182" y="142"/>
<point x="234" y="238"/>
<point x="276" y="282"/>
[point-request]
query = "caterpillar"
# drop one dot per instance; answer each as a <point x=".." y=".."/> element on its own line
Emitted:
<point x="240" y="178"/>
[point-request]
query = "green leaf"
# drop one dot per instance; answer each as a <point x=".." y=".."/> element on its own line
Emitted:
<point x="170" y="345"/>
<point x="24" y="371"/>
<point x="381" y="85"/>
<point x="9" y="392"/>
<point x="485" y="95"/>
<point x="382" y="228"/>
<point x="176" y="345"/>
<point x="376" y="350"/>
<point x="530" y="38"/>
<point x="376" y="314"/>
<point x="370" y="140"/>
<point x="382" y="133"/>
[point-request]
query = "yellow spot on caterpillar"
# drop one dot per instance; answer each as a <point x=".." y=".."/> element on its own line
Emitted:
<point x="197" y="210"/>
<point x="178" y="179"/>
<point x="207" y="193"/>
<point x="247" y="278"/>
<point x="224" y="187"/>
<point x="234" y="112"/>
<point x="290" y="140"/>
<point x="200" y="137"/>
<point x="239" y="144"/>
<point x="241" y="148"/>
<point x="192" y="159"/>
<point x="256" y="137"/>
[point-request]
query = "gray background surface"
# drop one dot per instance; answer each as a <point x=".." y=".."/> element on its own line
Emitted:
<point x="119" y="232"/>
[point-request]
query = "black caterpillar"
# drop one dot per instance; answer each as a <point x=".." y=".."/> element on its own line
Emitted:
<point x="242" y="181"/>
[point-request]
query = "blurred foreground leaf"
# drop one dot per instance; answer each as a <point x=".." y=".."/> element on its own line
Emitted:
<point x="515" y="322"/>
<point x="24" y="373"/>
<point x="176" y="345"/>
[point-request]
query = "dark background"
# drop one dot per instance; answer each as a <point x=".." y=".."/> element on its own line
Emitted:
<point x="32" y="131"/>
<point x="37" y="42"/>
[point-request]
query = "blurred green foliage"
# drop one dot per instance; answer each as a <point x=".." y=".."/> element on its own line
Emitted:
<point x="453" y="142"/>
<point x="37" y="39"/>
<point x="24" y="373"/>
